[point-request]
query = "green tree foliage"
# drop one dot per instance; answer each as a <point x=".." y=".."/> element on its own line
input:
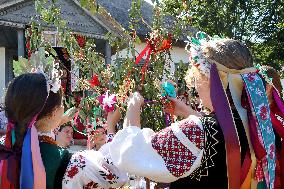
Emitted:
<point x="258" y="23"/>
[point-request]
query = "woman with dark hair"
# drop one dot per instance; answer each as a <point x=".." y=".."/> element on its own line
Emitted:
<point x="31" y="157"/>
<point x="235" y="146"/>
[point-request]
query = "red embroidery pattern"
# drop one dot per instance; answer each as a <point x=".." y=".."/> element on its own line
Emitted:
<point x="271" y="151"/>
<point x="110" y="136"/>
<point x="259" y="176"/>
<point x="263" y="113"/>
<point x="109" y="177"/>
<point x="251" y="77"/>
<point x="177" y="157"/>
<point x="72" y="172"/>
<point x="76" y="164"/>
<point x="91" y="185"/>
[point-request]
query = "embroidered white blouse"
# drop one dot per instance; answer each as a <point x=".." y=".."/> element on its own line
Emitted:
<point x="173" y="153"/>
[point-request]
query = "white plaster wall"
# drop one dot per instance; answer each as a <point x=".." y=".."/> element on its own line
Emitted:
<point x="178" y="54"/>
<point x="2" y="73"/>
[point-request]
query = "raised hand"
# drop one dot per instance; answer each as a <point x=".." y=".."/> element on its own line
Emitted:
<point x="112" y="119"/>
<point x="132" y="117"/>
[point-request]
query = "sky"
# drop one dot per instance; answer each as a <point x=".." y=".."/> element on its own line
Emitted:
<point x="149" y="1"/>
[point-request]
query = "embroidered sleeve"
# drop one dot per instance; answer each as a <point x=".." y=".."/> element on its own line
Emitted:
<point x="89" y="169"/>
<point x="109" y="137"/>
<point x="173" y="153"/>
<point x="3" y="121"/>
<point x="2" y="140"/>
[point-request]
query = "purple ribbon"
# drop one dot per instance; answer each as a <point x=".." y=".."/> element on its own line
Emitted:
<point x="150" y="101"/>
<point x="225" y="119"/>
<point x="278" y="101"/>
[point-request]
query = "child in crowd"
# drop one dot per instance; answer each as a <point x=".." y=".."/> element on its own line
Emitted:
<point x="64" y="135"/>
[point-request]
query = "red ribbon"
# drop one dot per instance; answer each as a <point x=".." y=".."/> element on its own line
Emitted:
<point x="278" y="108"/>
<point x="6" y="181"/>
<point x="148" y="49"/>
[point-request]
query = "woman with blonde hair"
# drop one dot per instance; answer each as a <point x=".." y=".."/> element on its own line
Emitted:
<point x="234" y="147"/>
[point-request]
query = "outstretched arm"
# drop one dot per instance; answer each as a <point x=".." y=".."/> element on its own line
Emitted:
<point x="132" y="117"/>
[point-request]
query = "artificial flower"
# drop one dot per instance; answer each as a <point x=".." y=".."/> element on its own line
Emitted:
<point x="56" y="85"/>
<point x="81" y="41"/>
<point x="108" y="102"/>
<point x="169" y="90"/>
<point x="94" y="81"/>
<point x="166" y="43"/>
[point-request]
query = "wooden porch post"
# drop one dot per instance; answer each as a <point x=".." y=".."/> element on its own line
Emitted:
<point x="107" y="53"/>
<point x="21" y="43"/>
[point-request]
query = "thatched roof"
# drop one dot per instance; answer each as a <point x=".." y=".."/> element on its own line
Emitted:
<point x="18" y="13"/>
<point x="119" y="10"/>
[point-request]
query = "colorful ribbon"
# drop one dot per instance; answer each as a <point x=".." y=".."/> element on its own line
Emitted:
<point x="32" y="174"/>
<point x="27" y="174"/>
<point x="259" y="104"/>
<point x="224" y="116"/>
<point x="7" y="180"/>
<point x="279" y="128"/>
<point x="148" y="49"/>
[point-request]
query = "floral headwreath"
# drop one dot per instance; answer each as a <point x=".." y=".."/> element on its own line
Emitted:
<point x="196" y="44"/>
<point x="263" y="72"/>
<point x="43" y="63"/>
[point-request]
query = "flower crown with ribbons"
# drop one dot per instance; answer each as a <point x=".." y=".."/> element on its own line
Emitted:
<point x="197" y="44"/>
<point x="43" y="63"/>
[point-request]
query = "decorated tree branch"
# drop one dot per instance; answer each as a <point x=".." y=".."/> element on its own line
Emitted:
<point x="101" y="88"/>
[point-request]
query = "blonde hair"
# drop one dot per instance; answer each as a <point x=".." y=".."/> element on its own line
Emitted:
<point x="228" y="52"/>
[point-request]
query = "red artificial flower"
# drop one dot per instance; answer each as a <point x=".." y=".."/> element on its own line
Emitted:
<point x="166" y="43"/>
<point x="94" y="81"/>
<point x="29" y="53"/>
<point x="81" y="41"/>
